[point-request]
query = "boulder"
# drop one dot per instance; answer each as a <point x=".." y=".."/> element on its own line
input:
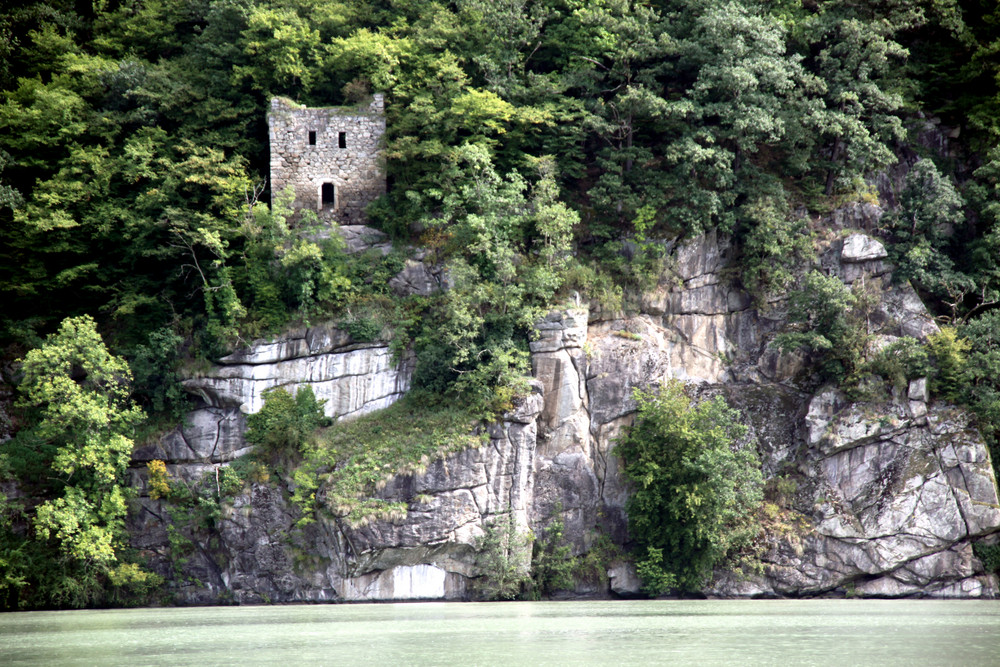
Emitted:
<point x="862" y="248"/>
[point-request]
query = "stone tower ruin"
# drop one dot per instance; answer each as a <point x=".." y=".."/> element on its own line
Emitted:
<point x="330" y="156"/>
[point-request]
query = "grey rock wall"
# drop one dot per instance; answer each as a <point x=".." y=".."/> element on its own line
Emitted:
<point x="886" y="498"/>
<point x="894" y="501"/>
<point x="353" y="379"/>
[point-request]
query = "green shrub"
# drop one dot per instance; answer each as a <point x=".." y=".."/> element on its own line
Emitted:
<point x="989" y="554"/>
<point x="132" y="586"/>
<point x="593" y="565"/>
<point x="504" y="560"/>
<point x="495" y="381"/>
<point x="363" y="329"/>
<point x="901" y="361"/>
<point x="552" y="562"/>
<point x="476" y="357"/>
<point x="249" y="469"/>
<point x="315" y="280"/>
<point x="981" y="383"/>
<point x="830" y="320"/>
<point x="772" y="245"/>
<point x="159" y="479"/>
<point x="594" y="284"/>
<point x="695" y="489"/>
<point x="654" y="574"/>
<point x="371" y="271"/>
<point x="154" y="367"/>
<point x="230" y="481"/>
<point x="948" y="350"/>
<point x="923" y="244"/>
<point x="781" y="490"/>
<point x="286" y="422"/>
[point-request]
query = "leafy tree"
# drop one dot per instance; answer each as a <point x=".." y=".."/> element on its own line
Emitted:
<point x="983" y="194"/>
<point x="509" y="36"/>
<point x="157" y="384"/>
<point x="744" y="104"/>
<point x="696" y="487"/>
<point x="971" y="60"/>
<point x="981" y="367"/>
<point x="507" y="247"/>
<point x="618" y="51"/>
<point x="923" y="227"/>
<point x="286" y="48"/>
<point x="948" y="352"/>
<point x="504" y="559"/>
<point x="552" y="562"/>
<point x="831" y="321"/>
<point x="900" y="361"/>
<point x="79" y="394"/>
<point x="774" y="242"/>
<point x="76" y="396"/>
<point x="856" y="59"/>
<point x="17" y="565"/>
<point x="314" y="275"/>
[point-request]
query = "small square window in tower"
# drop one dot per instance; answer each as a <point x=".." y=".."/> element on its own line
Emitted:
<point x="342" y="138"/>
<point x="328" y="195"/>
<point x="312" y="137"/>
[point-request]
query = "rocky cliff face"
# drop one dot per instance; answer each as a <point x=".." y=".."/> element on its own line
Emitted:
<point x="879" y="499"/>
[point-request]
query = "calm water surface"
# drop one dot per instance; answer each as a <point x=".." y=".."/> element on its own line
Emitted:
<point x="746" y="632"/>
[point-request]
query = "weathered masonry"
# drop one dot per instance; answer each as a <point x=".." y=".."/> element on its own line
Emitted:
<point x="331" y="157"/>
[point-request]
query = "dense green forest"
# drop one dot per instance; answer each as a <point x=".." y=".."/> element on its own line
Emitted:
<point x="534" y="147"/>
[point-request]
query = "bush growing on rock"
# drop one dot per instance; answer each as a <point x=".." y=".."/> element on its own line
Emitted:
<point x="696" y="487"/>
<point x="552" y="562"/>
<point x="286" y="422"/>
<point x="900" y="361"/>
<point x="773" y="242"/>
<point x="830" y="320"/>
<point x="948" y="351"/>
<point x="923" y="229"/>
<point x="981" y="381"/>
<point x="159" y="479"/>
<point x="504" y="560"/>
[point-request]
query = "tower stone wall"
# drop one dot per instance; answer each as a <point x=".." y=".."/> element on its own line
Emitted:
<point x="331" y="157"/>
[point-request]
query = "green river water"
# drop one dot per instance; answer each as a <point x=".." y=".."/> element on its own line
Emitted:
<point x="736" y="632"/>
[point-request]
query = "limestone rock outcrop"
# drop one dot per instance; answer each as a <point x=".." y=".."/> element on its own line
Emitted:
<point x="255" y="552"/>
<point x="353" y="378"/>
<point x="880" y="499"/>
<point x="891" y="497"/>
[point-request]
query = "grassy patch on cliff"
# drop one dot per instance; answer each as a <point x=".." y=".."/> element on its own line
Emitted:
<point x="345" y="465"/>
